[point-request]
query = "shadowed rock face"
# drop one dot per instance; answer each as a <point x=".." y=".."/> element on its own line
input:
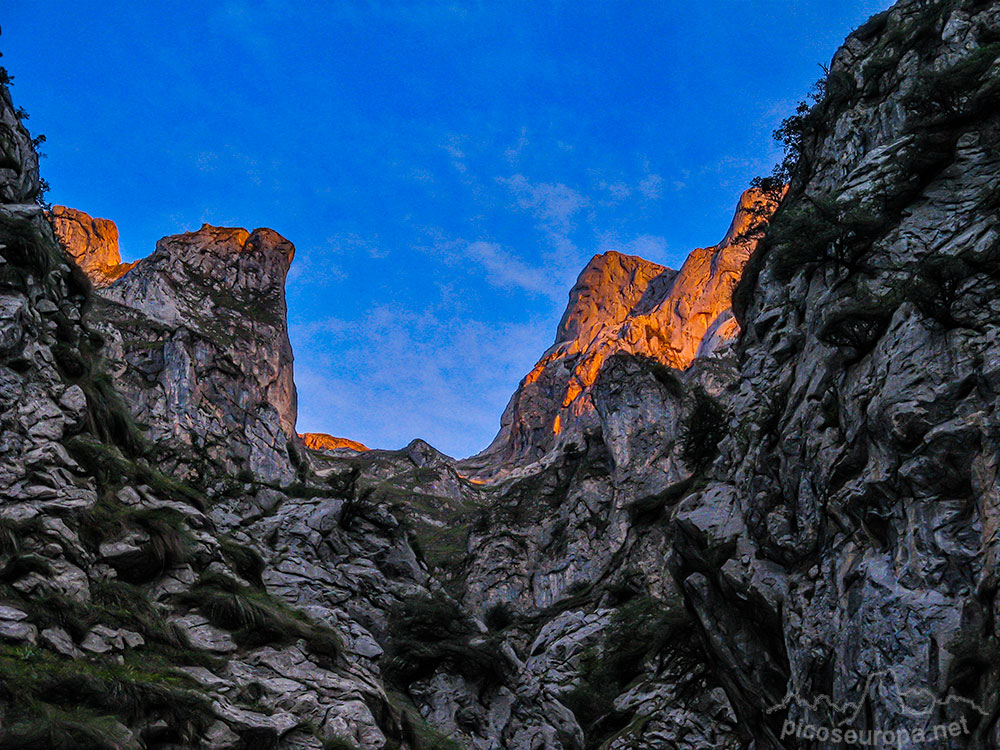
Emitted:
<point x="120" y="555"/>
<point x="92" y="243"/>
<point x="860" y="484"/>
<point x="19" y="181"/>
<point x="624" y="304"/>
<point x="842" y="526"/>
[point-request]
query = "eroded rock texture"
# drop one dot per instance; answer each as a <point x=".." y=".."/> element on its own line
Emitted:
<point x="197" y="339"/>
<point x="720" y="530"/>
<point x="140" y="611"/>
<point x="622" y="303"/>
<point x="863" y="463"/>
<point x="835" y="540"/>
<point x="19" y="180"/>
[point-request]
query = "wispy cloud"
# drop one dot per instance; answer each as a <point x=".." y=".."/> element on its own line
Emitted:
<point x="505" y="270"/>
<point x="493" y="263"/>
<point x="617" y="192"/>
<point x="397" y="375"/>
<point x="651" y="187"/>
<point x="553" y="204"/>
<point x="442" y="371"/>
<point x="513" y="153"/>
<point x="556" y="209"/>
<point x="453" y="147"/>
<point x="422" y="175"/>
<point x="352" y="242"/>
<point x="319" y="265"/>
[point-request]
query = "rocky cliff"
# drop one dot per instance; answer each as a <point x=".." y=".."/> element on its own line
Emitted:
<point x="725" y="554"/>
<point x="858" y="483"/>
<point x="135" y="611"/>
<point x="92" y="243"/>
<point x="624" y="304"/>
<point x="793" y="528"/>
<point x="197" y="339"/>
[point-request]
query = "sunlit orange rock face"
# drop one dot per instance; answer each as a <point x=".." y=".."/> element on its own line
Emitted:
<point x="92" y="243"/>
<point x="622" y="303"/>
<point x="320" y="441"/>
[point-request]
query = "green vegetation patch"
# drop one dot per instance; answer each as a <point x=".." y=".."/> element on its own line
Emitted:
<point x="638" y="630"/>
<point x="702" y="431"/>
<point x="415" y="732"/>
<point x="439" y="526"/>
<point x="246" y="561"/>
<point x="113" y="469"/>
<point x="256" y="618"/>
<point x="62" y="701"/>
<point x="431" y="632"/>
<point x="960" y="91"/>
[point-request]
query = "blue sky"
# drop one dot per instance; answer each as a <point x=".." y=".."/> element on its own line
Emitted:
<point x="445" y="170"/>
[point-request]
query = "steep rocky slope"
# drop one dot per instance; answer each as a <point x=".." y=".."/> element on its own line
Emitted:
<point x="834" y="540"/>
<point x="622" y="303"/>
<point x="139" y="610"/>
<point x="374" y="547"/>
<point x="859" y="482"/>
<point x="197" y="339"/>
<point x="717" y="540"/>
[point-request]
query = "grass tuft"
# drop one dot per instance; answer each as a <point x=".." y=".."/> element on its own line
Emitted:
<point x="246" y="561"/>
<point x="63" y="701"/>
<point x="427" y="633"/>
<point x="255" y="618"/>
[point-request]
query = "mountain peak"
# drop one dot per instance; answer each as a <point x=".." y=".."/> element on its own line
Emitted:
<point x="91" y="242"/>
<point x="235" y="240"/>
<point x="203" y="247"/>
<point x="199" y="338"/>
<point x="623" y="303"/>
<point x="611" y="287"/>
<point x="320" y="441"/>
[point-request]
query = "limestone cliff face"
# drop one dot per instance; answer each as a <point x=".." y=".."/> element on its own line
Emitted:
<point x="19" y="180"/>
<point x="734" y="537"/>
<point x="834" y="541"/>
<point x="860" y="483"/>
<point x="624" y="304"/>
<point x="555" y="394"/>
<point x="102" y="642"/>
<point x="198" y="337"/>
<point x="92" y="243"/>
<point x="231" y="611"/>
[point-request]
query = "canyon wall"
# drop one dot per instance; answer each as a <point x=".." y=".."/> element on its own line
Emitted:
<point x="708" y="512"/>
